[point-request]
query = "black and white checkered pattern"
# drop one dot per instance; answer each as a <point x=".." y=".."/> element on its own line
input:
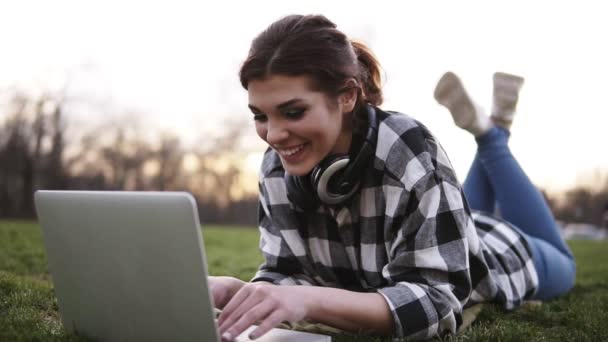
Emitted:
<point x="408" y="235"/>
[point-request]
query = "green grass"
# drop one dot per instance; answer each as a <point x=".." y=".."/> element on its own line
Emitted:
<point x="28" y="307"/>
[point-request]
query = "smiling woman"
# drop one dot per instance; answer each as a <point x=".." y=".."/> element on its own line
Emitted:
<point x="363" y="223"/>
<point x="304" y="126"/>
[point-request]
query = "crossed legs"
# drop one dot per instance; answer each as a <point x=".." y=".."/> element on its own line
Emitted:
<point x="497" y="181"/>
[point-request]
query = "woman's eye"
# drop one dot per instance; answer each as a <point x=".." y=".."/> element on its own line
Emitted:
<point x="294" y="113"/>
<point x="259" y="117"/>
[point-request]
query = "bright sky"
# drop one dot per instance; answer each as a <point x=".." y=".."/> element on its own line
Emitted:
<point x="178" y="61"/>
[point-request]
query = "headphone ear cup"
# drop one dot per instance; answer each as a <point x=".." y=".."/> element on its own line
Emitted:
<point x="326" y="180"/>
<point x="320" y="171"/>
<point x="300" y="192"/>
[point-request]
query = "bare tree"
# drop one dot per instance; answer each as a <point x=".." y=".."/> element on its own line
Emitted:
<point x="35" y="154"/>
<point x="169" y="157"/>
<point x="25" y="162"/>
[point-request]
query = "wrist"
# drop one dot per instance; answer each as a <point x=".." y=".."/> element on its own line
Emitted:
<point x="315" y="302"/>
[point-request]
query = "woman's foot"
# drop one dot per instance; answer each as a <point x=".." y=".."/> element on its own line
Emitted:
<point x="450" y="93"/>
<point x="504" y="98"/>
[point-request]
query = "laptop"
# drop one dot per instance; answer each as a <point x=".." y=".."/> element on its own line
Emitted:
<point x="131" y="266"/>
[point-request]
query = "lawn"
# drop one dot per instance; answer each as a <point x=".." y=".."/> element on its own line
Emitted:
<point x="28" y="308"/>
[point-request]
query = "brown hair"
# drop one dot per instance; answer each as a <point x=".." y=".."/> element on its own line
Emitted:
<point x="311" y="45"/>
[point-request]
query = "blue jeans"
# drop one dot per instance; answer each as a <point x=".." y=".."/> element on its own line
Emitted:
<point x="496" y="181"/>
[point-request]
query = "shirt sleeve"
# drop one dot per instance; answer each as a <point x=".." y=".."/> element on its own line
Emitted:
<point x="280" y="266"/>
<point x="428" y="268"/>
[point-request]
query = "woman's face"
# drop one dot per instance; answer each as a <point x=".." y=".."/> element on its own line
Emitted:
<point x="302" y="125"/>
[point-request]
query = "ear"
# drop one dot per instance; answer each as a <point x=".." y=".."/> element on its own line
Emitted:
<point x="348" y="97"/>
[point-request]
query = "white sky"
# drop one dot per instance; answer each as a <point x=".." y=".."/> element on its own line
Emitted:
<point x="177" y="62"/>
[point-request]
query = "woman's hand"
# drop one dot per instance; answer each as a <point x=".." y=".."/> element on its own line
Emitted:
<point x="263" y="304"/>
<point x="223" y="289"/>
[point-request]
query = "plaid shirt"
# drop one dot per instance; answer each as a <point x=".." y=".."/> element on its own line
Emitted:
<point x="408" y="234"/>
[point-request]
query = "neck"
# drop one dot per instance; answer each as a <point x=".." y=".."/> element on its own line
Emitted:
<point x="345" y="138"/>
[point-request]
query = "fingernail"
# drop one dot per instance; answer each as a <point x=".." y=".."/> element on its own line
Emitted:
<point x="253" y="336"/>
<point x="227" y="336"/>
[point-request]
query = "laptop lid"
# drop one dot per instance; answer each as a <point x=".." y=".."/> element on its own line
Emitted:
<point x="127" y="265"/>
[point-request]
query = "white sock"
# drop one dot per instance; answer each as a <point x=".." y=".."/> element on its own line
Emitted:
<point x="504" y="98"/>
<point x="450" y="93"/>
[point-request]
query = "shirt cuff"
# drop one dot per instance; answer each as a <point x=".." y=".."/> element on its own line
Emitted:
<point x="271" y="277"/>
<point x="281" y="279"/>
<point x="413" y="312"/>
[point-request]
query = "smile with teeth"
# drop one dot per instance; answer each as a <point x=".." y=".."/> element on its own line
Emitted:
<point x="291" y="151"/>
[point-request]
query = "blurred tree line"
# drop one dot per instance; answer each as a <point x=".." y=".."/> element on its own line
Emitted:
<point x="584" y="204"/>
<point x="33" y="155"/>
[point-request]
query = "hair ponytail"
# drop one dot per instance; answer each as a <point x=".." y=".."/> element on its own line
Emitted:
<point x="369" y="76"/>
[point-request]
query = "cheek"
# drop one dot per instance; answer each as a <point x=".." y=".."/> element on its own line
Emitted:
<point x="261" y="130"/>
<point x="316" y="129"/>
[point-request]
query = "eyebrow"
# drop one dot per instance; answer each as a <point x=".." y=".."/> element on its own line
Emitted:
<point x="280" y="105"/>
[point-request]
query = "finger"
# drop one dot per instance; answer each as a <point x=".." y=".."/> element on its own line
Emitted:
<point x="273" y="320"/>
<point x="243" y="309"/>
<point x="240" y="296"/>
<point x="252" y="316"/>
<point x="254" y="298"/>
<point x="218" y="293"/>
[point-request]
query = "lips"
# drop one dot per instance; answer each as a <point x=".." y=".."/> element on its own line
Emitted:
<point x="293" y="154"/>
<point x="288" y="152"/>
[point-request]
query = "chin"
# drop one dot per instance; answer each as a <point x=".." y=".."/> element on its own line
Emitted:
<point x="296" y="170"/>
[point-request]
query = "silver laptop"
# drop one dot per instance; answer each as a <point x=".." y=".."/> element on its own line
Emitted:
<point x="130" y="266"/>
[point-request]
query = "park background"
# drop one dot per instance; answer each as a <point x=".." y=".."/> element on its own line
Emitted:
<point x="128" y="95"/>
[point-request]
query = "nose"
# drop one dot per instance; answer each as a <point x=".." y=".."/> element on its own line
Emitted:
<point x="276" y="132"/>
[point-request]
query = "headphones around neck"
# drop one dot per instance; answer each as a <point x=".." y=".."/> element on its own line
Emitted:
<point x="335" y="179"/>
